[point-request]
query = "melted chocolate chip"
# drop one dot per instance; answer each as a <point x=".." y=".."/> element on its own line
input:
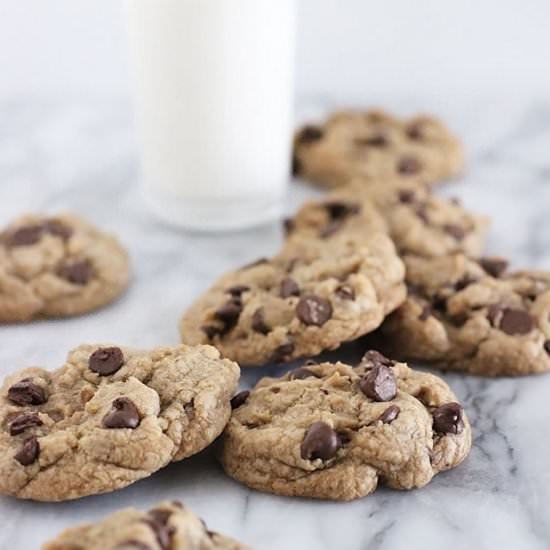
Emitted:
<point x="124" y="414"/>
<point x="237" y="290"/>
<point x="158" y="521"/>
<point x="288" y="226"/>
<point x="28" y="452"/>
<point x="76" y="272"/>
<point x="58" y="229"/>
<point x="23" y="422"/>
<point x="426" y="313"/>
<point x="454" y="231"/>
<point x="414" y="132"/>
<point x="338" y="210"/>
<point x="258" y="322"/>
<point x="390" y="414"/>
<point x="320" y="441"/>
<point x="211" y="331"/>
<point x="283" y="352"/>
<point x="376" y="140"/>
<point x="421" y="210"/>
<point x="464" y="282"/>
<point x="494" y="266"/>
<point x="26" y="235"/>
<point x="289" y="287"/>
<point x="379" y="384"/>
<point x="345" y="292"/>
<point x="255" y="263"/>
<point x="546" y="346"/>
<point x="408" y="166"/>
<point x="448" y="418"/>
<point x="26" y="392"/>
<point x="239" y="399"/>
<point x="296" y="167"/>
<point x="331" y="228"/>
<point x="106" y="361"/>
<point x="132" y="543"/>
<point x="313" y="310"/>
<point x="309" y="134"/>
<point x="301" y="373"/>
<point x="229" y="314"/>
<point x="406" y="196"/>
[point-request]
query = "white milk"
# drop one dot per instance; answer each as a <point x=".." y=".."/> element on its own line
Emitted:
<point x="214" y="100"/>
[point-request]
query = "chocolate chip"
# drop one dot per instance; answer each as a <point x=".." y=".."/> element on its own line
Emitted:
<point x="313" y="310"/>
<point x="375" y="358"/>
<point x="58" y="229"/>
<point x="131" y="543"/>
<point x="237" y="290"/>
<point x="448" y="418"/>
<point x="289" y="287"/>
<point x="239" y="399"/>
<point x="331" y="228"/>
<point x="345" y="292"/>
<point x="516" y="321"/>
<point x="124" y="414"/>
<point x="464" y="282"/>
<point x="26" y="235"/>
<point x="159" y="524"/>
<point x="454" y="231"/>
<point x="408" y="166"/>
<point x="338" y="209"/>
<point x="230" y="311"/>
<point x="379" y="383"/>
<point x="414" y="132"/>
<point x="288" y="226"/>
<point x="255" y="263"/>
<point x="283" y="352"/>
<point x="258" y="322"/>
<point x="296" y="167"/>
<point x="376" y="140"/>
<point x="28" y="452"/>
<point x="302" y="373"/>
<point x="390" y="414"/>
<point x="546" y="346"/>
<point x="406" y="196"/>
<point x="494" y="266"/>
<point x="229" y="314"/>
<point x="320" y="441"/>
<point x="26" y="392"/>
<point x="106" y="361"/>
<point x="76" y="272"/>
<point x="23" y="422"/>
<point x="426" y="313"/>
<point x="211" y="331"/>
<point x="309" y="134"/>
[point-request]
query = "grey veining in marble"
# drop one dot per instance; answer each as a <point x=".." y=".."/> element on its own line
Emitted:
<point x="81" y="156"/>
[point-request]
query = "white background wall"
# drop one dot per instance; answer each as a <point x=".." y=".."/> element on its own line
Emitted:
<point x="345" y="47"/>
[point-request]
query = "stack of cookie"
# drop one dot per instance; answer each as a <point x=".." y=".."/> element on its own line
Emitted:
<point x="379" y="256"/>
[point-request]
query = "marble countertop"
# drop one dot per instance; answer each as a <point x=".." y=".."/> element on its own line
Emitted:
<point x="81" y="155"/>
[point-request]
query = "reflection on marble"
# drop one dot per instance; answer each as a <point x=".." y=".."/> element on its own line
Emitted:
<point x="82" y="156"/>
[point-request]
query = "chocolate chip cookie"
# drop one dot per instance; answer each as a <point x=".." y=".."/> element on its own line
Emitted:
<point x="418" y="222"/>
<point x="470" y="315"/>
<point x="331" y="431"/>
<point x="108" y="417"/>
<point x="311" y="297"/>
<point x="56" y="267"/>
<point x="376" y="145"/>
<point x="168" y="526"/>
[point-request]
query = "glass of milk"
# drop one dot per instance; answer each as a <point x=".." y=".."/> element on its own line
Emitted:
<point x="214" y="87"/>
